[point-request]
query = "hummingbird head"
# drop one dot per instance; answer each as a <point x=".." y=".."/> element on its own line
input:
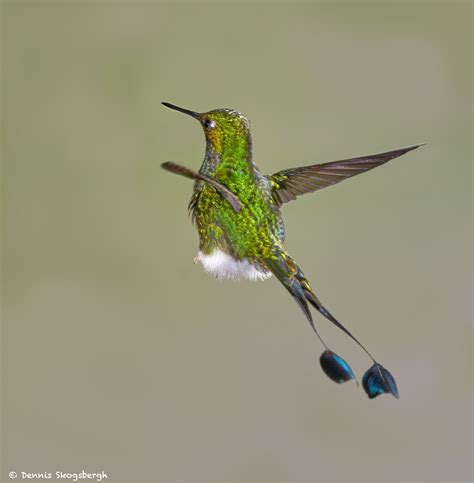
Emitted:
<point x="225" y="129"/>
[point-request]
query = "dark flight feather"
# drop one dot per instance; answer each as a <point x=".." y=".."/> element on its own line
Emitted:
<point x="290" y="183"/>
<point x="189" y="173"/>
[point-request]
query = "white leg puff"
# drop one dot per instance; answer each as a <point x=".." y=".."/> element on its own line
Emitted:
<point x="223" y="267"/>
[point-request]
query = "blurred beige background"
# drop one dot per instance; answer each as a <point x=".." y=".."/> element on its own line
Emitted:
<point x="121" y="355"/>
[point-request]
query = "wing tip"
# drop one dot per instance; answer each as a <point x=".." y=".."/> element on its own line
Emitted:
<point x="168" y="165"/>
<point x="415" y="146"/>
<point x="398" y="152"/>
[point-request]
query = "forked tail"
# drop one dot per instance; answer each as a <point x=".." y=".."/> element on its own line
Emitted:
<point x="377" y="380"/>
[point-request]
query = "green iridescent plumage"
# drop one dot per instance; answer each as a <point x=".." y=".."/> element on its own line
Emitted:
<point x="241" y="232"/>
<point x="252" y="232"/>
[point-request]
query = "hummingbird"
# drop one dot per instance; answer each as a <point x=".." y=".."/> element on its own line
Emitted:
<point x="237" y="212"/>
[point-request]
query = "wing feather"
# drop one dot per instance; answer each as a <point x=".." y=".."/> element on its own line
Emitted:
<point x="290" y="183"/>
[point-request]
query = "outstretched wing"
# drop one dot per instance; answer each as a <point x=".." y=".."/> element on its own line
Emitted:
<point x="189" y="173"/>
<point x="290" y="183"/>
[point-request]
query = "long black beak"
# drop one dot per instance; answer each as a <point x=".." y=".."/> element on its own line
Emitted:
<point x="181" y="109"/>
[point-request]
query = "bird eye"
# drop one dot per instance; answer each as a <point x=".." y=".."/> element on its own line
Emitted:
<point x="209" y="124"/>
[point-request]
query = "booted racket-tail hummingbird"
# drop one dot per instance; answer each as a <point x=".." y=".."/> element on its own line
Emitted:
<point x="237" y="212"/>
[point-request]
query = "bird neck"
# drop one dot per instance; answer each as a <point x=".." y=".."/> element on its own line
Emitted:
<point x="232" y="162"/>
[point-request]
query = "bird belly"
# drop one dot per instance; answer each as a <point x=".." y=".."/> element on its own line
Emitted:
<point x="223" y="266"/>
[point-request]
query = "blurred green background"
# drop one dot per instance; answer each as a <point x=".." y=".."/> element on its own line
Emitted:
<point x="121" y="355"/>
